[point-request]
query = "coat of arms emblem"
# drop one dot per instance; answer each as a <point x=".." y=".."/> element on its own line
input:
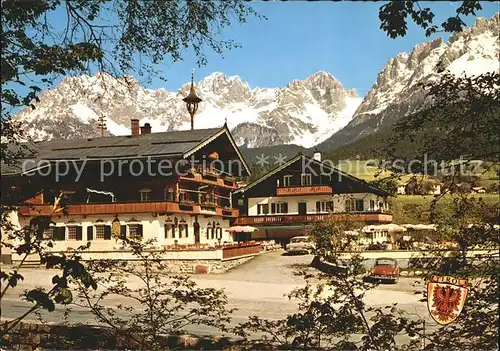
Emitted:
<point x="446" y="298"/>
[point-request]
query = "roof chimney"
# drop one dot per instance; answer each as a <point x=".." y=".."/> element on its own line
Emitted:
<point x="134" y="126"/>
<point x="146" y="129"/>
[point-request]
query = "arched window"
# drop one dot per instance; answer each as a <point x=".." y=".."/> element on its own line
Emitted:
<point x="169" y="228"/>
<point x="218" y="230"/>
<point x="213" y="230"/>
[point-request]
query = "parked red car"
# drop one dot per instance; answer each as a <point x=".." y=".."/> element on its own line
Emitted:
<point x="385" y="269"/>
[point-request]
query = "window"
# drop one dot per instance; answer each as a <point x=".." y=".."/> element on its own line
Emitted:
<point x="372" y="205"/>
<point x="287" y="180"/>
<point x="99" y="231"/>
<point x="135" y="231"/>
<point x="360" y="205"/>
<point x="349" y="205"/>
<point x="273" y="208"/>
<point x="281" y="207"/>
<point x="145" y="194"/>
<point x="263" y="209"/>
<point x="168" y="228"/>
<point x="324" y="206"/>
<point x="329" y="206"/>
<point x="169" y="194"/>
<point x="183" y="229"/>
<point x="305" y="179"/>
<point x="72" y="233"/>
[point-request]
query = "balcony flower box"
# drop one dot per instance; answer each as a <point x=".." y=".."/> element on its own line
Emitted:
<point x="187" y="202"/>
<point x="209" y="204"/>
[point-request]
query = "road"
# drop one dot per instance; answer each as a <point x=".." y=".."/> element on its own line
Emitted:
<point x="257" y="287"/>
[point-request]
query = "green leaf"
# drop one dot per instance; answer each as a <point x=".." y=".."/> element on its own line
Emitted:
<point x="63" y="296"/>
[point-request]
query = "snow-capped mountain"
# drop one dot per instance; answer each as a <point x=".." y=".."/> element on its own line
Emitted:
<point x="396" y="92"/>
<point x="305" y="112"/>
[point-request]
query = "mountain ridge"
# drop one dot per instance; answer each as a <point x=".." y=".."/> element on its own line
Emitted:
<point x="303" y="112"/>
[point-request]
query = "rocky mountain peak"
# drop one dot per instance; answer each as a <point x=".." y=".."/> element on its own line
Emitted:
<point x="397" y="92"/>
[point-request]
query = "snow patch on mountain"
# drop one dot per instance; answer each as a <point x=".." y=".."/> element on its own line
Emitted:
<point x="304" y="112"/>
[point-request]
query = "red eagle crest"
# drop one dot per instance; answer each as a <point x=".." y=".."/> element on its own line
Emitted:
<point x="446" y="301"/>
<point x="446" y="298"/>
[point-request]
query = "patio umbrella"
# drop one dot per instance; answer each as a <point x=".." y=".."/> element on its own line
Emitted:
<point x="242" y="229"/>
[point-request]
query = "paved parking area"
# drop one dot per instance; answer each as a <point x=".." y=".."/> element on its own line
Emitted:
<point x="257" y="287"/>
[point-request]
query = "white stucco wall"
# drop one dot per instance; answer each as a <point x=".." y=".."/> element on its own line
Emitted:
<point x="293" y="201"/>
<point x="152" y="225"/>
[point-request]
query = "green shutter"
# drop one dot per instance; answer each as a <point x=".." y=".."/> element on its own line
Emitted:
<point x="139" y="230"/>
<point x="123" y="231"/>
<point x="90" y="233"/>
<point x="107" y="232"/>
<point x="79" y="234"/>
<point x="60" y="233"/>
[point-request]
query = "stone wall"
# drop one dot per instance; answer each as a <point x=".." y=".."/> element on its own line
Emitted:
<point x="205" y="266"/>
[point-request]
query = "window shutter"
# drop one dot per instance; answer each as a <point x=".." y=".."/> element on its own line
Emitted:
<point x="79" y="233"/>
<point x="285" y="207"/>
<point x="273" y="208"/>
<point x="123" y="231"/>
<point x="60" y="233"/>
<point x="90" y="233"/>
<point x="139" y="230"/>
<point x="107" y="232"/>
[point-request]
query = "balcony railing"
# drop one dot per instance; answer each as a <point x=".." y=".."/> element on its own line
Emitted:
<point x="367" y="217"/>
<point x="210" y="176"/>
<point x="125" y="207"/>
<point x="304" y="190"/>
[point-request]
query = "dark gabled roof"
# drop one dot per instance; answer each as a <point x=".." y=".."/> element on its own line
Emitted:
<point x="375" y="189"/>
<point x="174" y="144"/>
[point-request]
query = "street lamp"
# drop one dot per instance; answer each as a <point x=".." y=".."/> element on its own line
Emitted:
<point x="192" y="101"/>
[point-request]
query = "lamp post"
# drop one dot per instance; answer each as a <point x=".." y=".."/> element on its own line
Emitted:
<point x="192" y="101"/>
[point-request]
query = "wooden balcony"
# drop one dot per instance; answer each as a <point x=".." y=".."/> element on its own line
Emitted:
<point x="113" y="208"/>
<point x="366" y="217"/>
<point x="198" y="178"/>
<point x="304" y="190"/>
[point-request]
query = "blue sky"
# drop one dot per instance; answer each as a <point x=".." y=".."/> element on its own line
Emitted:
<point x="300" y="38"/>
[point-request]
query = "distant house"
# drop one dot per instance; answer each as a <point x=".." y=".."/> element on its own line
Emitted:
<point x="420" y="187"/>
<point x="478" y="190"/>
<point x="401" y="189"/>
<point x="435" y="189"/>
